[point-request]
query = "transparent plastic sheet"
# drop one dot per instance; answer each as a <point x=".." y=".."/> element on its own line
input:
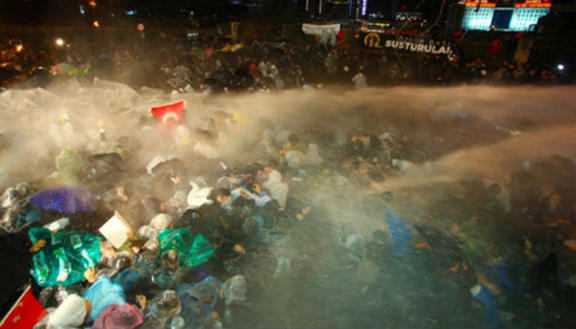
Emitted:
<point x="192" y="250"/>
<point x="65" y="258"/>
<point x="27" y="100"/>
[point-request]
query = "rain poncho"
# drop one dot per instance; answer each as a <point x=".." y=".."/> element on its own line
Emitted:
<point x="192" y="250"/>
<point x="198" y="196"/>
<point x="235" y="290"/>
<point x="119" y="317"/>
<point x="167" y="279"/>
<point x="295" y="159"/>
<point x="265" y="150"/>
<point x="491" y="310"/>
<point x="70" y="314"/>
<point x="162" y="308"/>
<point x="69" y="165"/>
<point x="278" y="189"/>
<point x="161" y="222"/>
<point x="65" y="258"/>
<point x="198" y="301"/>
<point x="104" y="293"/>
<point x="259" y="199"/>
<point x="399" y="234"/>
<point x="128" y="279"/>
<point x="312" y="157"/>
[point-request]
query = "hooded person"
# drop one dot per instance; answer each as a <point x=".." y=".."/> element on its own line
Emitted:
<point x="198" y="196"/>
<point x="265" y="150"/>
<point x="199" y="301"/>
<point x="169" y="275"/>
<point x="235" y="290"/>
<point x="294" y="152"/>
<point x="161" y="222"/>
<point x="70" y="314"/>
<point x="162" y="309"/>
<point x="359" y="81"/>
<point x="126" y="316"/>
<point x="193" y="250"/>
<point x="312" y="157"/>
<point x="260" y="198"/>
<point x="278" y="189"/>
<point x="128" y="279"/>
<point x="491" y="309"/>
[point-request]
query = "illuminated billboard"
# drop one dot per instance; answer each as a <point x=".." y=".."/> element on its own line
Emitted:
<point x="482" y="15"/>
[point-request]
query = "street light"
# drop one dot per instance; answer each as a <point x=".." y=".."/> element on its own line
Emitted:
<point x="96" y="24"/>
<point x="59" y="42"/>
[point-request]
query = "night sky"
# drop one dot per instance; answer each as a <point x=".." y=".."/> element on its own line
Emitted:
<point x="67" y="12"/>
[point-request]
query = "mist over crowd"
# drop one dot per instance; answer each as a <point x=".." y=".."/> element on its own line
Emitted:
<point x="204" y="181"/>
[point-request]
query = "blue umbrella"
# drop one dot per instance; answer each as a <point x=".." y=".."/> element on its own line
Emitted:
<point x="67" y="199"/>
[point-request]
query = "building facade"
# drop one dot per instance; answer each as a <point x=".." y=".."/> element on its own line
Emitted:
<point x="513" y="16"/>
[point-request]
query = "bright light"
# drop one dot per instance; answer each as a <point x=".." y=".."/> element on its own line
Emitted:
<point x="364" y="5"/>
<point x="560" y="67"/>
<point x="131" y="12"/>
<point x="92" y="3"/>
<point x="19" y="48"/>
<point x="477" y="20"/>
<point x="59" y="42"/>
<point x="96" y="24"/>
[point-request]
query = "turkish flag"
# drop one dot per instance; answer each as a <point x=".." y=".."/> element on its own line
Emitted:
<point x="170" y="115"/>
<point x="26" y="312"/>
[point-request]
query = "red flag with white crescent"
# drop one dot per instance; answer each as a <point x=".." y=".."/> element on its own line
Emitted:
<point x="170" y="115"/>
<point x="26" y="312"/>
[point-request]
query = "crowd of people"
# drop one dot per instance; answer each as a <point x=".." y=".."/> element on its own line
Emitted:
<point x="221" y="64"/>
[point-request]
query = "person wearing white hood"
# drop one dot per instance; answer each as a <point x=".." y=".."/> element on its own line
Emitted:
<point x="272" y="181"/>
<point x="70" y="314"/>
<point x="359" y="80"/>
<point x="312" y="157"/>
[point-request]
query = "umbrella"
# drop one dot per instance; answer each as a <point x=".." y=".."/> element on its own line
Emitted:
<point x="68" y="199"/>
